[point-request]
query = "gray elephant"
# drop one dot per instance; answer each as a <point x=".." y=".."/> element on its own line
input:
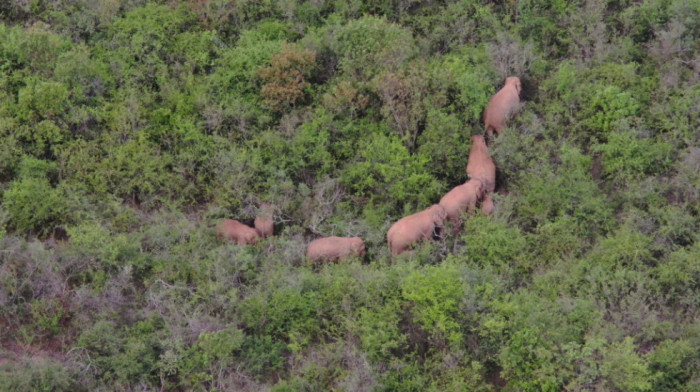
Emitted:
<point x="414" y="228"/>
<point x="462" y="198"/>
<point x="502" y="106"/>
<point x="480" y="165"/>
<point x="233" y="230"/>
<point x="264" y="222"/>
<point x="334" y="249"/>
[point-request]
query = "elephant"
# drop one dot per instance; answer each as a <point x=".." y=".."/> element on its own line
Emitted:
<point x="413" y="228"/>
<point x="233" y="230"/>
<point x="460" y="199"/>
<point x="480" y="165"/>
<point x="264" y="222"/>
<point x="487" y="205"/>
<point x="334" y="249"/>
<point x="502" y="106"/>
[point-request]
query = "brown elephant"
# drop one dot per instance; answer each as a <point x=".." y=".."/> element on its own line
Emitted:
<point x="502" y="106"/>
<point x="460" y="199"/>
<point x="487" y="205"/>
<point x="334" y="249"/>
<point x="233" y="230"/>
<point x="413" y="228"/>
<point x="264" y="222"/>
<point x="480" y="165"/>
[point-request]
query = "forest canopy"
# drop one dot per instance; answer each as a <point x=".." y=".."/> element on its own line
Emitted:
<point x="130" y="128"/>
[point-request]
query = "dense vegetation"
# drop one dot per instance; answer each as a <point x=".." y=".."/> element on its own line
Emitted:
<point x="128" y="128"/>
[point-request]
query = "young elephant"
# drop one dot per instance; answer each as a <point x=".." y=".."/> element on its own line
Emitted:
<point x="264" y="222"/>
<point x="233" y="230"/>
<point x="413" y="228"/>
<point x="460" y="199"/>
<point x="334" y="249"/>
<point x="487" y="205"/>
<point x="502" y="106"/>
<point x="480" y="165"/>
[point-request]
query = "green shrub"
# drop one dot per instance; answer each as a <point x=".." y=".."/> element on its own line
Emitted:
<point x="490" y="242"/>
<point x="565" y="190"/>
<point x="672" y="364"/>
<point x="435" y="292"/>
<point x="443" y="145"/>
<point x="34" y="206"/>
<point x="103" y="248"/>
<point x="470" y="79"/>
<point x="378" y="330"/>
<point x="624" y="369"/>
<point x="627" y="157"/>
<point x="38" y="374"/>
<point x="370" y="45"/>
<point x="383" y="173"/>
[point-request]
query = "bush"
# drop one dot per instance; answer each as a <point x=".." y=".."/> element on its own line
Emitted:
<point x="627" y="157"/>
<point x="383" y="173"/>
<point x="369" y="45"/>
<point x="38" y="374"/>
<point x="34" y="206"/>
<point x="285" y="79"/>
<point x="435" y="292"/>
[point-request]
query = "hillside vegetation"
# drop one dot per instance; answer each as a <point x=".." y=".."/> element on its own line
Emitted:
<point x="129" y="128"/>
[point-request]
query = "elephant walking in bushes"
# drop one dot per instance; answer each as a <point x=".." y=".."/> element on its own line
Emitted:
<point x="264" y="222"/>
<point x="502" y="106"/>
<point x="233" y="230"/>
<point x="414" y="228"/>
<point x="480" y="166"/>
<point x="462" y="198"/>
<point x="334" y="249"/>
<point x="487" y="206"/>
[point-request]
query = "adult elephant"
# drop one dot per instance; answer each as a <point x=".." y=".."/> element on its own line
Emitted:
<point x="413" y="228"/>
<point x="264" y="222"/>
<point x="461" y="199"/>
<point x="233" y="230"/>
<point x="334" y="249"/>
<point x="503" y="105"/>
<point x="480" y="165"/>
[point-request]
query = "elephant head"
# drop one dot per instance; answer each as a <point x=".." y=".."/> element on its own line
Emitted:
<point x="514" y="81"/>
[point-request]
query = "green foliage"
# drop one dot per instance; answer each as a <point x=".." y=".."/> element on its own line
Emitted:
<point x="384" y="172"/>
<point x="567" y="190"/>
<point x="34" y="206"/>
<point x="545" y="20"/>
<point x="286" y="77"/>
<point x="102" y="247"/>
<point x="470" y="78"/>
<point x="624" y="369"/>
<point x="38" y="374"/>
<point x="442" y="145"/>
<point x="435" y="293"/>
<point x="367" y="46"/>
<point x="609" y="105"/>
<point x="129" y="128"/>
<point x="670" y="364"/>
<point x="379" y="330"/>
<point x="627" y="157"/>
<point x="489" y="242"/>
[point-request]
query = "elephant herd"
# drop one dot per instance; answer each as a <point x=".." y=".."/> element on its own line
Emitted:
<point x="423" y="225"/>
